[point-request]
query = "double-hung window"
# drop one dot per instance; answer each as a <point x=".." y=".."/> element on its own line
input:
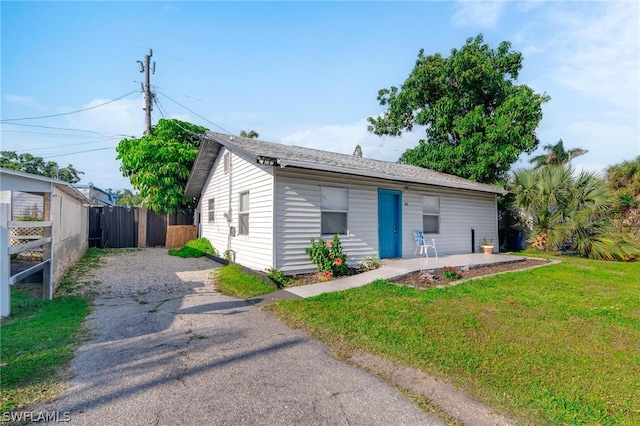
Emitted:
<point x="334" y="207"/>
<point x="430" y="214"/>
<point x="243" y="213"/>
<point x="211" y="210"/>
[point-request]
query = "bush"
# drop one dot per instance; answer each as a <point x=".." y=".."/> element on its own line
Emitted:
<point x="450" y="273"/>
<point x="328" y="256"/>
<point x="369" y="263"/>
<point x="278" y="277"/>
<point x="195" y="248"/>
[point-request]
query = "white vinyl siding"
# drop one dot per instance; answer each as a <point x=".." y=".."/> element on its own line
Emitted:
<point x="299" y="218"/>
<point x="430" y="214"/>
<point x="256" y="249"/>
<point x="460" y="212"/>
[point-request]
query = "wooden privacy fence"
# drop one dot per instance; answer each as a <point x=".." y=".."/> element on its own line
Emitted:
<point x="121" y="227"/>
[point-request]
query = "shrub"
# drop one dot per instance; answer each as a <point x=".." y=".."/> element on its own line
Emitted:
<point x="278" y="277"/>
<point x="195" y="248"/>
<point x="369" y="263"/>
<point x="328" y="256"/>
<point x="451" y="273"/>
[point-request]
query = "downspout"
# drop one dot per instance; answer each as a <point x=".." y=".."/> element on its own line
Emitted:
<point x="229" y="212"/>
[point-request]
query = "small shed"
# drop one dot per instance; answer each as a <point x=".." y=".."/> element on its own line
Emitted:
<point x="52" y="230"/>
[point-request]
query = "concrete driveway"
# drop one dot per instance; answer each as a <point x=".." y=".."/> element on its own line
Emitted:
<point x="168" y="350"/>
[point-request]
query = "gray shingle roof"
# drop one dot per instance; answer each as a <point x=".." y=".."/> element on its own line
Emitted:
<point x="308" y="158"/>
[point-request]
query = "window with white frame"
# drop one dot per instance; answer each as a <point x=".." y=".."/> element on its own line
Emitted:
<point x="430" y="214"/>
<point x="212" y="210"/>
<point x="243" y="213"/>
<point x="334" y="207"/>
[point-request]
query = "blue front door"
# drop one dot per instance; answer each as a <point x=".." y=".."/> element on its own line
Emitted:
<point x="389" y="223"/>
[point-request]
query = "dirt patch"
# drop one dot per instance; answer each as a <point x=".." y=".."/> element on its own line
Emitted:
<point x="459" y="405"/>
<point x="435" y="277"/>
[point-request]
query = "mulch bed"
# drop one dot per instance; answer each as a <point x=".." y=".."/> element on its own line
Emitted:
<point x="427" y="278"/>
<point x="434" y="278"/>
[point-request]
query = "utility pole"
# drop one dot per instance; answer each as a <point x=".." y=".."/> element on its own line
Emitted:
<point x="146" y="68"/>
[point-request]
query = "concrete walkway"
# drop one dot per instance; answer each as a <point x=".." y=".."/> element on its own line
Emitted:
<point x="391" y="268"/>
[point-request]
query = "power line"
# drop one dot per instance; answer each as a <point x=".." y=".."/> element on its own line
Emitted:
<point x="69" y="129"/>
<point x="164" y="114"/>
<point x="63" y="146"/>
<point x="68" y="113"/>
<point x="192" y="111"/>
<point x="78" y="152"/>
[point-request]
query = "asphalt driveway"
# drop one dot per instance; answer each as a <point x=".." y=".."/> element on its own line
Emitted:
<point x="167" y="349"/>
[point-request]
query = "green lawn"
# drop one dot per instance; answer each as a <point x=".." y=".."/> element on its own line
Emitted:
<point x="38" y="339"/>
<point x="552" y="345"/>
<point x="230" y="280"/>
<point x="36" y="343"/>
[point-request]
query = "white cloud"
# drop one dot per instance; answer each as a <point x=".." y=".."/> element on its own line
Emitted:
<point x="25" y="100"/>
<point x="598" y="51"/>
<point x="122" y="117"/>
<point x="343" y="138"/>
<point x="478" y="13"/>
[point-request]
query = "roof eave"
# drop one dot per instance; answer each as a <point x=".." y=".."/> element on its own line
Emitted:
<point x="371" y="173"/>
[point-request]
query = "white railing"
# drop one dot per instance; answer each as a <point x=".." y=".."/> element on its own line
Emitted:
<point x="6" y="251"/>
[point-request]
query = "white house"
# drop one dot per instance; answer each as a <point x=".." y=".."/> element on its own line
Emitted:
<point x="265" y="201"/>
<point x="97" y="196"/>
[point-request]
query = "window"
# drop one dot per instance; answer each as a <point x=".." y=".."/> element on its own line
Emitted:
<point x="430" y="215"/>
<point x="243" y="213"/>
<point x="333" y="210"/>
<point x="212" y="205"/>
<point x="226" y="162"/>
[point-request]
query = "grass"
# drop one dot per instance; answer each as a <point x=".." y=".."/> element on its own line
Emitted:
<point x="230" y="280"/>
<point x="553" y="345"/>
<point x="194" y="248"/>
<point x="37" y="342"/>
<point x="38" y="338"/>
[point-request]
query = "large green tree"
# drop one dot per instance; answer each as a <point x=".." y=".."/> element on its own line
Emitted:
<point x="574" y="210"/>
<point x="38" y="166"/>
<point x="477" y="119"/>
<point x="158" y="165"/>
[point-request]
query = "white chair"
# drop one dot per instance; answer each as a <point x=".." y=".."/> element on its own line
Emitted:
<point x="422" y="245"/>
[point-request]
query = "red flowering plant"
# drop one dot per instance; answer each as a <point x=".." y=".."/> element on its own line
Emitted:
<point x="328" y="256"/>
<point x="451" y="273"/>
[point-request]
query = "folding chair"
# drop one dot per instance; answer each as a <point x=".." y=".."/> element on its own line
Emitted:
<point x="422" y="245"/>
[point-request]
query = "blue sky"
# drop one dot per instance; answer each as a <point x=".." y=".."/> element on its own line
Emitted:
<point x="302" y="73"/>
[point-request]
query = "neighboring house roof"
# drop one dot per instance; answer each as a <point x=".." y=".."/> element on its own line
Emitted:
<point x="62" y="185"/>
<point x="86" y="190"/>
<point x="315" y="159"/>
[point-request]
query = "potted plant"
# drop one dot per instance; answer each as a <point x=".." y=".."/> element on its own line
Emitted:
<point x="487" y="246"/>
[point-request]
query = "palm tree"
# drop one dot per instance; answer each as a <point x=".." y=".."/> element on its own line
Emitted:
<point x="624" y="180"/>
<point x="625" y="175"/>
<point x="571" y="210"/>
<point x="557" y="155"/>
<point x="251" y="134"/>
